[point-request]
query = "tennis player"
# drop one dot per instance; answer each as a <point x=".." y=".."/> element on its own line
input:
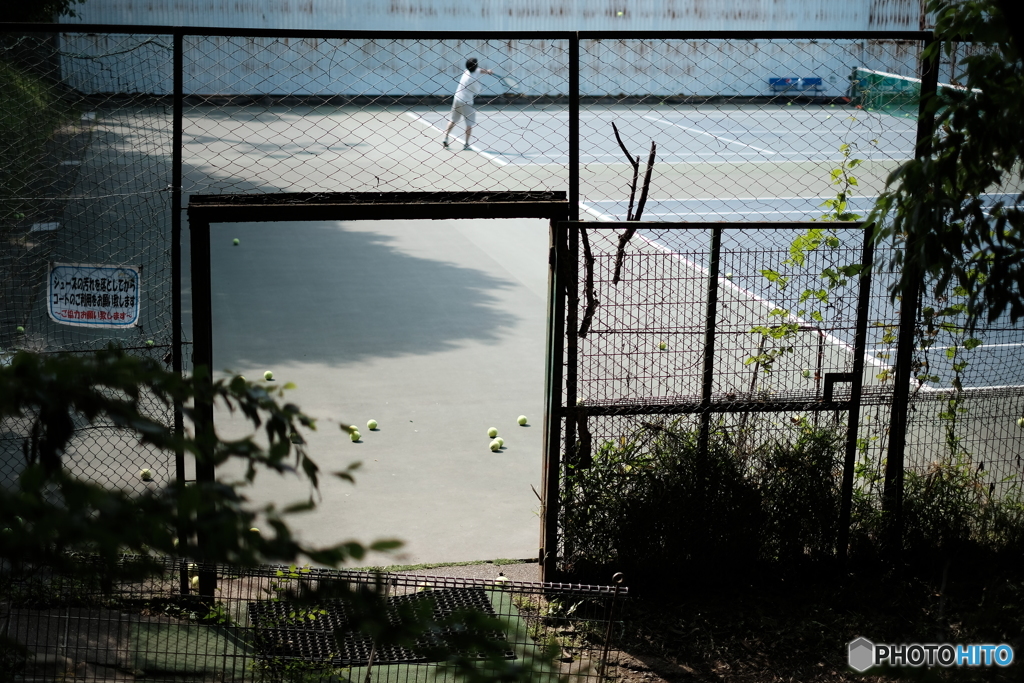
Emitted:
<point x="462" y="103"/>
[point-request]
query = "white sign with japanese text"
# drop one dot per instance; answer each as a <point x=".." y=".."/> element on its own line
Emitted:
<point x="93" y="296"/>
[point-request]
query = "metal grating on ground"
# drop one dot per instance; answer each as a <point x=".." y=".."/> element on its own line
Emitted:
<point x="325" y="633"/>
<point x="91" y="623"/>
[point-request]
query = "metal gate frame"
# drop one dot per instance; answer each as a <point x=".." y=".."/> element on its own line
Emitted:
<point x="562" y="415"/>
<point x="204" y="210"/>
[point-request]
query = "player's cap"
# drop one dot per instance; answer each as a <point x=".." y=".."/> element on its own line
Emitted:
<point x="471" y="64"/>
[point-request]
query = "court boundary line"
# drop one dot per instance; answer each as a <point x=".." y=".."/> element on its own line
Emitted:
<point x="755" y="157"/>
<point x="487" y="155"/>
<point x="700" y="132"/>
<point x="850" y="350"/>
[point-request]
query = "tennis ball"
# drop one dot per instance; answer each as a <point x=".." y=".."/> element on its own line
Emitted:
<point x="492" y="432"/>
<point x="789" y="104"/>
<point x="806" y="373"/>
<point x="371" y="425"/>
<point x="268" y="375"/>
<point x="20" y="330"/>
<point x="146" y="474"/>
<point x="728" y="276"/>
<point x="662" y="346"/>
<point x="619" y="13"/>
<point x="495" y="446"/>
<point x="1020" y="422"/>
<point x="150" y="342"/>
<point x="522" y="420"/>
<point x="235" y="242"/>
<point x="501" y="441"/>
<point x="355" y="435"/>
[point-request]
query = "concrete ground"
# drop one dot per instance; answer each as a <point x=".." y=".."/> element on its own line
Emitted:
<point x="433" y="328"/>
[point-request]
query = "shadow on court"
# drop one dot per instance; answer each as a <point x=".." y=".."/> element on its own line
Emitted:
<point x="320" y="291"/>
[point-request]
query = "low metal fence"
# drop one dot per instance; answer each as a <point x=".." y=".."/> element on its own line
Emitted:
<point x="300" y="624"/>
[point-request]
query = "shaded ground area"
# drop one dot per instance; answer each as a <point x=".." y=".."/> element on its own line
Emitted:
<point x="799" y="630"/>
<point x="693" y="631"/>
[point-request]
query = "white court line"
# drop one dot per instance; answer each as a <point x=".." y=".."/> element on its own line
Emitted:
<point x="674" y="158"/>
<point x="762" y="199"/>
<point x="700" y="132"/>
<point x="428" y="124"/>
<point x="868" y="359"/>
<point x="724" y="199"/>
<point x="597" y="213"/>
<point x="735" y="213"/>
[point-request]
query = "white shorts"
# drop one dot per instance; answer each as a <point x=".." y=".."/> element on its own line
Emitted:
<point x="463" y="110"/>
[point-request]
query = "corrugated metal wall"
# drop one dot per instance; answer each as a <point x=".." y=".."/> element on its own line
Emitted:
<point x="112" y="63"/>
<point x="512" y="15"/>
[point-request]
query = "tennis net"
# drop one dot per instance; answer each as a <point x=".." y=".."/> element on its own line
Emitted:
<point x="891" y="93"/>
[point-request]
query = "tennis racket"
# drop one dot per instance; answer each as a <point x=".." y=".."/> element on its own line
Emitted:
<point x="512" y="85"/>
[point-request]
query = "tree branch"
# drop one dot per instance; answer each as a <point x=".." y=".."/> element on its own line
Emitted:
<point x="592" y="302"/>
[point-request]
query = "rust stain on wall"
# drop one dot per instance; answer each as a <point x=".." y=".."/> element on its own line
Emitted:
<point x="895" y="14"/>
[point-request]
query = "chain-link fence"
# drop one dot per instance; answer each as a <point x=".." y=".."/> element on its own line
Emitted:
<point x="107" y="131"/>
<point x="300" y="624"/>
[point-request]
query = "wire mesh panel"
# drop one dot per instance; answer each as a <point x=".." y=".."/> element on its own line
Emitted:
<point x="301" y="624"/>
<point x="85" y="214"/>
<point x="707" y="393"/>
<point x="744" y="129"/>
<point x="271" y="114"/>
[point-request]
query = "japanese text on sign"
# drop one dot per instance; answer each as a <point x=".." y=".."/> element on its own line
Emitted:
<point x="93" y="296"/>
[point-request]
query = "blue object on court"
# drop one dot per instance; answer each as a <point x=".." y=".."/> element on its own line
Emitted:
<point x="799" y="85"/>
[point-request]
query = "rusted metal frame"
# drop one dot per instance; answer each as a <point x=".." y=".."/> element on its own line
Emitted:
<point x="567" y="267"/>
<point x="206" y="209"/>
<point x="553" y="413"/>
<point x="572" y="291"/>
<point x="697" y="407"/>
<point x="710" y="325"/>
<point x="574" y="128"/>
<point x="335" y="199"/>
<point x="177" y="365"/>
<point x="856" y="389"/>
<point x="892" y="492"/>
<point x="202" y="363"/>
<point x="376" y="206"/>
<point x="569" y="272"/>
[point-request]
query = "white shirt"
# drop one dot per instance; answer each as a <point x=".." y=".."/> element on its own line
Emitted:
<point x="469" y="86"/>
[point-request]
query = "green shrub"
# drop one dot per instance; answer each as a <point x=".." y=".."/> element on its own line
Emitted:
<point x="653" y="505"/>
